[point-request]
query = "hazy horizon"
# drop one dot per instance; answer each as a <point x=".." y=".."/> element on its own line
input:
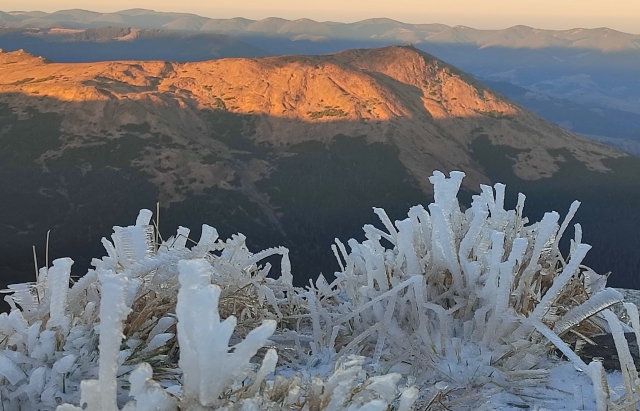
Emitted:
<point x="490" y="14"/>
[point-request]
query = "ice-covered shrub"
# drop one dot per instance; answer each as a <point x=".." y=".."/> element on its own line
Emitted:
<point x="469" y="297"/>
<point x="110" y="340"/>
<point x="442" y="308"/>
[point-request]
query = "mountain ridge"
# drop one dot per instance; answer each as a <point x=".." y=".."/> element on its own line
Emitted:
<point x="291" y="150"/>
<point x="124" y="43"/>
<point x="520" y="36"/>
<point x="379" y="93"/>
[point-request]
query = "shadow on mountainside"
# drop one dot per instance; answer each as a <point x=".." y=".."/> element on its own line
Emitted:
<point x="319" y="186"/>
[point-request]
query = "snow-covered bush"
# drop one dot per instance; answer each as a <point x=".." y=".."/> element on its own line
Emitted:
<point x="443" y="308"/>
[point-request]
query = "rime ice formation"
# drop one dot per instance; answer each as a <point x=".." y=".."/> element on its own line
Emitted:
<point x="446" y="307"/>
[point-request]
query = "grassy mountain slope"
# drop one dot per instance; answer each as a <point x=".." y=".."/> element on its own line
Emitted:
<point x="294" y="150"/>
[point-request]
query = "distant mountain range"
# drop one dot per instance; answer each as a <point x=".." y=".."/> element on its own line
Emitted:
<point x="602" y="39"/>
<point x="124" y="43"/>
<point x="290" y="150"/>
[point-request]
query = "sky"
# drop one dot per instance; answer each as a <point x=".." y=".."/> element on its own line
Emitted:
<point x="622" y="15"/>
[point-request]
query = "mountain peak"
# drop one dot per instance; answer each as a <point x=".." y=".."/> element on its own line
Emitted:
<point x="379" y="20"/>
<point x="291" y="144"/>
<point x="136" y="11"/>
<point x="20" y="56"/>
<point x="394" y="95"/>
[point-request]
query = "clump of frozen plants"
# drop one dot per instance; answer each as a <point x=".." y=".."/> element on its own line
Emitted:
<point x="440" y="310"/>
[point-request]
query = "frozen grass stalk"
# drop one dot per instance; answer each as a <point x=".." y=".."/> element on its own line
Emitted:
<point x="600" y="385"/>
<point x="204" y="339"/>
<point x="627" y="366"/>
<point x="113" y="311"/>
<point x="58" y="288"/>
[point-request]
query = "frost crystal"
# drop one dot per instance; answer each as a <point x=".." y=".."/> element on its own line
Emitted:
<point x="204" y="340"/>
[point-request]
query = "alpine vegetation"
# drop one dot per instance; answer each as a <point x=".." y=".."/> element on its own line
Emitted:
<point x="441" y="310"/>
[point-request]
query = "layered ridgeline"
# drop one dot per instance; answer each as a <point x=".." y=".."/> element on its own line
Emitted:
<point x="294" y="150"/>
<point x="377" y="29"/>
<point x="124" y="43"/>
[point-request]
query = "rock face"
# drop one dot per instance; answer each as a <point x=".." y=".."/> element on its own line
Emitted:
<point x="294" y="150"/>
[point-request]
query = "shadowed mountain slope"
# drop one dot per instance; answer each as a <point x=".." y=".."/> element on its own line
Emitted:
<point x="291" y="150"/>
